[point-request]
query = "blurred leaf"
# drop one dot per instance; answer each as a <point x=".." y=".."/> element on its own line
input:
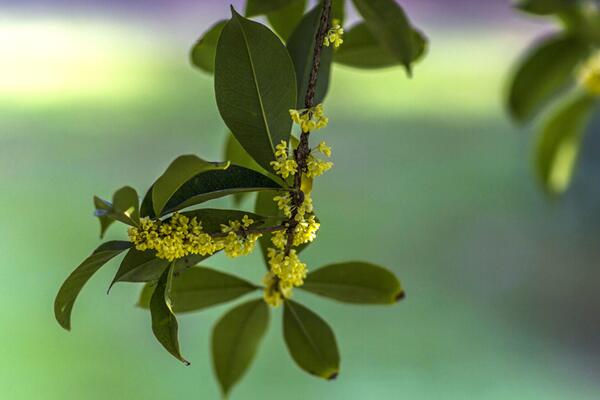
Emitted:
<point x="199" y="288"/>
<point x="338" y="10"/>
<point x="203" y="52"/>
<point x="255" y="87"/>
<point x="559" y="144"/>
<point x="389" y="24"/>
<point x="235" y="341"/>
<point x="355" y="282"/>
<point x="310" y="341"/>
<point x="164" y="323"/>
<point x="259" y="7"/>
<point x="65" y="299"/>
<point x="545" y="70"/>
<point x="544" y="7"/>
<point x="301" y="47"/>
<point x="287" y="18"/>
<point x="124" y="208"/>
<point x="362" y="50"/>
<point x="178" y="174"/>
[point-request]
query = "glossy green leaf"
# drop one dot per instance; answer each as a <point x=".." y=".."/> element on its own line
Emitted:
<point x="287" y="18"/>
<point x="164" y="323"/>
<point x="177" y="175"/>
<point x="255" y="87"/>
<point x="198" y="288"/>
<point x="355" y="282"/>
<point x="362" y="50"/>
<point x="259" y="7"/>
<point x="65" y="299"/>
<point x="559" y="144"/>
<point x="389" y="24"/>
<point x="204" y="51"/>
<point x="310" y="341"/>
<point x="301" y="47"/>
<point x="545" y="71"/>
<point x="545" y="7"/>
<point x="235" y="341"/>
<point x="124" y="208"/>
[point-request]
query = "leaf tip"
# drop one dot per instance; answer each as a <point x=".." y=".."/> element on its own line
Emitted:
<point x="333" y="376"/>
<point x="400" y="296"/>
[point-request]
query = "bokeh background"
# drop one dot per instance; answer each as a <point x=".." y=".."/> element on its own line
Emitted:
<point x="431" y="179"/>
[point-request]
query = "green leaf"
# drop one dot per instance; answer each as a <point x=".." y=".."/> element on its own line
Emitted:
<point x="102" y="208"/>
<point x="164" y="323"/>
<point x="545" y="71"/>
<point x="255" y="87"/>
<point x="124" y="208"/>
<point x="180" y="172"/>
<point x="355" y="282"/>
<point x="362" y="50"/>
<point x="65" y="299"/>
<point x="559" y="144"/>
<point x="301" y="47"/>
<point x="287" y="18"/>
<point x="235" y="341"/>
<point x="310" y="341"/>
<point x="258" y="7"/>
<point x="204" y="51"/>
<point x="199" y="288"/>
<point x="338" y="10"/>
<point x="544" y="7"/>
<point x="389" y="24"/>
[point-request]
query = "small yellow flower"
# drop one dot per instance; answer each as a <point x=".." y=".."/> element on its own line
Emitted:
<point x="274" y="292"/>
<point x="316" y="167"/>
<point x="289" y="269"/>
<point x="334" y="35"/>
<point x="324" y="149"/>
<point x="589" y="75"/>
<point x="310" y="119"/>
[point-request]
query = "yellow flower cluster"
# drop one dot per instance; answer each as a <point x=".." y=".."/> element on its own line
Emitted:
<point x="181" y="236"/>
<point x="275" y="292"/>
<point x="316" y="167"/>
<point x="334" y="35"/>
<point x="284" y="165"/>
<point x="310" y="119"/>
<point x="589" y="75"/>
<point x="289" y="269"/>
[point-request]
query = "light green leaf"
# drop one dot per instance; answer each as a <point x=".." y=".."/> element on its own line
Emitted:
<point x="235" y="341"/>
<point x="310" y="341"/>
<point x="204" y="51"/>
<point x="559" y="144"/>
<point x="287" y="18"/>
<point x="362" y="50"/>
<point x="301" y="47"/>
<point x="545" y="7"/>
<point x="255" y="87"/>
<point x="258" y="7"/>
<point x="164" y="323"/>
<point x="355" y="282"/>
<point x="389" y="24"/>
<point x="124" y="208"/>
<point x="198" y="288"/>
<point x="180" y="172"/>
<point x="545" y="71"/>
<point x="65" y="299"/>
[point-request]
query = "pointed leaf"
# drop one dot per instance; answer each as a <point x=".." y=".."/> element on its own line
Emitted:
<point x="102" y="207"/>
<point x="355" y="282"/>
<point x="65" y="299"/>
<point x="198" y="288"/>
<point x="124" y="208"/>
<point x="559" y="144"/>
<point x="235" y="341"/>
<point x="301" y="47"/>
<point x="258" y="7"/>
<point x="204" y="51"/>
<point x="545" y="71"/>
<point x="389" y="24"/>
<point x="545" y="7"/>
<point x="310" y="341"/>
<point x="255" y="87"/>
<point x="338" y="10"/>
<point x="287" y="18"/>
<point x="164" y="323"/>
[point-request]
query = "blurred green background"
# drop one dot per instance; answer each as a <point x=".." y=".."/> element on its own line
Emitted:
<point x="431" y="179"/>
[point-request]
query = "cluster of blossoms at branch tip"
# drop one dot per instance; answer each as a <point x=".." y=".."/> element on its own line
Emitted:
<point x="284" y="165"/>
<point x="310" y="119"/>
<point x="589" y="76"/>
<point x="275" y="292"/>
<point x="180" y="236"/>
<point x="334" y="35"/>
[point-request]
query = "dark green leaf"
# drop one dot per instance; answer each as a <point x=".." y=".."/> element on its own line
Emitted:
<point x="287" y="18"/>
<point x="310" y="341"/>
<point x="545" y="7"/>
<point x="544" y="72"/>
<point x="102" y="208"/>
<point x="255" y="87"/>
<point x="389" y="24"/>
<point x="362" y="50"/>
<point x="338" y="10"/>
<point x="301" y="48"/>
<point x="178" y="174"/>
<point x="235" y="341"/>
<point x="124" y="208"/>
<point x="355" y="282"/>
<point x="65" y="299"/>
<point x="199" y="288"/>
<point x="258" y="7"/>
<point x="204" y="51"/>
<point x="164" y="323"/>
<point x="559" y="144"/>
